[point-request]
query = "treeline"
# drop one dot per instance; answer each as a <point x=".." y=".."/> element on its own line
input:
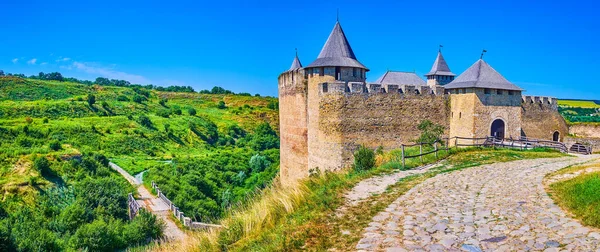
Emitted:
<point x="574" y="114"/>
<point x="56" y="76"/>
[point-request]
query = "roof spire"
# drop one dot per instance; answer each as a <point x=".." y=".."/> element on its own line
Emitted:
<point x="440" y="67"/>
<point x="337" y="51"/>
<point x="484" y="51"/>
<point x="440" y="49"/>
<point x="296" y="63"/>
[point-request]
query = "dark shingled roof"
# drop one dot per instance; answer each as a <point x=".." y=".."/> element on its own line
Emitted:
<point x="481" y="75"/>
<point x="337" y="51"/>
<point x="400" y="78"/>
<point x="296" y="63"/>
<point x="440" y="67"/>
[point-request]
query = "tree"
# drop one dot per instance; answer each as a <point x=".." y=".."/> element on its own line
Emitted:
<point x="192" y="111"/>
<point x="177" y="111"/>
<point x="145" y="121"/>
<point x="138" y="98"/>
<point x="258" y="163"/>
<point x="430" y="132"/>
<point x="364" y="159"/>
<point x="55" y="145"/>
<point x="42" y="165"/>
<point x="1" y="73"/>
<point x="163" y="102"/>
<point x="91" y="99"/>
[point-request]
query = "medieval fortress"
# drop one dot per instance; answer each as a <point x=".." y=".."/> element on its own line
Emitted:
<point x="327" y="109"/>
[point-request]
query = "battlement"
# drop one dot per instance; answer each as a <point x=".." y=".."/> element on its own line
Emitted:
<point x="376" y="88"/>
<point x="544" y="101"/>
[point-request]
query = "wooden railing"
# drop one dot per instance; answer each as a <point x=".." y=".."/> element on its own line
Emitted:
<point x="580" y="149"/>
<point x="134" y="206"/>
<point x="187" y="221"/>
<point x="521" y="143"/>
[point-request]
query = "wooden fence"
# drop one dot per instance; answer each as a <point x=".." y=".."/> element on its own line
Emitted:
<point x="134" y="206"/>
<point x="179" y="214"/>
<point x="521" y="143"/>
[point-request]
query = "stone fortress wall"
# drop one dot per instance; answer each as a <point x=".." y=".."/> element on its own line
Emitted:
<point x="540" y="118"/>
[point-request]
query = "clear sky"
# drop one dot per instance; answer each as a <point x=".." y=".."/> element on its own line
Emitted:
<point x="547" y="48"/>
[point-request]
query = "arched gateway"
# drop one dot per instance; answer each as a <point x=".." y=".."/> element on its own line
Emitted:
<point x="556" y="136"/>
<point x="497" y="129"/>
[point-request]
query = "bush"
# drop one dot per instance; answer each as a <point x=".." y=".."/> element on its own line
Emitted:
<point x="273" y="105"/>
<point x="192" y="111"/>
<point x="55" y="145"/>
<point x="41" y="165"/>
<point x="91" y="99"/>
<point x="138" y="98"/>
<point x="177" y="111"/>
<point x="45" y="120"/>
<point x="221" y="105"/>
<point x="163" y="113"/>
<point x="122" y="98"/>
<point x="163" y="102"/>
<point x="430" y="132"/>
<point x="364" y="159"/>
<point x="104" y="104"/>
<point x="28" y="120"/>
<point x="145" y="121"/>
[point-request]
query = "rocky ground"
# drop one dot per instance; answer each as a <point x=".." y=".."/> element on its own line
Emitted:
<point x="497" y="207"/>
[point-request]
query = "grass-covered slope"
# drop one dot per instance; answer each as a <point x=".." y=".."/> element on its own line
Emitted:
<point x="579" y="111"/>
<point x="205" y="151"/>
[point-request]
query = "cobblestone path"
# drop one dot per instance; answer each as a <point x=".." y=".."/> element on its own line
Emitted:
<point x="497" y="207"/>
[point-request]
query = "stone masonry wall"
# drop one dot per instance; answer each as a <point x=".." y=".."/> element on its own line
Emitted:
<point x="593" y="142"/>
<point x="489" y="107"/>
<point x="541" y="118"/>
<point x="585" y="130"/>
<point x="348" y="120"/>
<point x="293" y="122"/>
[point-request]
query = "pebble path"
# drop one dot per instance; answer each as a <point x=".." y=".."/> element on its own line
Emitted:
<point x="497" y="207"/>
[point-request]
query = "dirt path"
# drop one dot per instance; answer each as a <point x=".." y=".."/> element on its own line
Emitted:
<point x="497" y="207"/>
<point x="153" y="204"/>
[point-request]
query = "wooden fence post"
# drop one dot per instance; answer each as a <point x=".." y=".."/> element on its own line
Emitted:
<point x="421" y="151"/>
<point x="403" y="164"/>
<point x="447" y="142"/>
<point x="435" y="149"/>
<point x="456" y="142"/>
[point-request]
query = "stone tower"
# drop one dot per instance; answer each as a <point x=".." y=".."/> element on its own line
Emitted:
<point x="440" y="73"/>
<point x="484" y="103"/>
<point x="293" y="120"/>
<point x="336" y="63"/>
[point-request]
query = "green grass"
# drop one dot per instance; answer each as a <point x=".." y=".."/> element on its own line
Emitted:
<point x="580" y="196"/>
<point x="577" y="103"/>
<point x="308" y="221"/>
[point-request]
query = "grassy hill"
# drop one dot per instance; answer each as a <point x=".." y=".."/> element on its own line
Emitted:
<point x="206" y="151"/>
<point x="580" y="111"/>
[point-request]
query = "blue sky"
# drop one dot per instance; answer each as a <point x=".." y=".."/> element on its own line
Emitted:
<point x="546" y="47"/>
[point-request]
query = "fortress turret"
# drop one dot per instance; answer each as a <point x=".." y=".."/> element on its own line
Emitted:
<point x="337" y="61"/>
<point x="440" y="73"/>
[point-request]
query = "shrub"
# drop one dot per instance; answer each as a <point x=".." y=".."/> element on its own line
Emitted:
<point x="163" y="102"/>
<point x="145" y="121"/>
<point x="221" y="105"/>
<point x="364" y="159"/>
<point x="122" y="98"/>
<point x="41" y="165"/>
<point x="91" y="99"/>
<point x="28" y="120"/>
<point x="177" y="111"/>
<point x="273" y="105"/>
<point x="163" y="113"/>
<point x="138" y="98"/>
<point x="192" y="111"/>
<point x="45" y="120"/>
<point x="55" y="145"/>
<point x="104" y="104"/>
<point x="429" y="131"/>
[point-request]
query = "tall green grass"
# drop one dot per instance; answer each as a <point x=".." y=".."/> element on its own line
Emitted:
<point x="581" y="196"/>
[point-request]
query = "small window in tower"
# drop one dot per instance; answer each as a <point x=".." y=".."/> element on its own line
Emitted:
<point x="354" y="74"/>
<point x="499" y="91"/>
<point x="325" y="88"/>
<point x="321" y="71"/>
<point x="487" y="91"/>
<point x="459" y="115"/>
<point x="510" y="92"/>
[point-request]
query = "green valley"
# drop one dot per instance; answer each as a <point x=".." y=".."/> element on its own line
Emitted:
<point x="207" y="151"/>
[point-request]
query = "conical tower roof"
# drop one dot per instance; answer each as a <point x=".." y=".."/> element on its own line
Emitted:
<point x="337" y="51"/>
<point x="440" y="67"/>
<point x="481" y="75"/>
<point x="296" y="63"/>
